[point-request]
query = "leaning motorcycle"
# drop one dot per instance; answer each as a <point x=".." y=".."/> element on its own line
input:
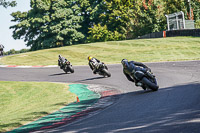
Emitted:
<point x="66" y="66"/>
<point x="146" y="80"/>
<point x="102" y="69"/>
<point x="1" y="52"/>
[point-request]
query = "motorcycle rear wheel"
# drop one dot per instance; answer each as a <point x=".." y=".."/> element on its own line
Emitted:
<point x="65" y="70"/>
<point x="106" y="73"/>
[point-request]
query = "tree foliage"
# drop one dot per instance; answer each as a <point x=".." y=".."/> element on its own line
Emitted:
<point x="6" y="3"/>
<point x="49" y="24"/>
<point x="101" y="33"/>
<point x="148" y="18"/>
<point x="13" y="51"/>
<point x="116" y="17"/>
<point x="53" y="23"/>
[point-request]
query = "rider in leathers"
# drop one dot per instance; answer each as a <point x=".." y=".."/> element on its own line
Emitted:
<point x="129" y="68"/>
<point x="1" y="49"/>
<point x="61" y="61"/>
<point x="94" y="63"/>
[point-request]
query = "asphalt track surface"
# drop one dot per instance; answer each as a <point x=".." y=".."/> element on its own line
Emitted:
<point x="174" y="108"/>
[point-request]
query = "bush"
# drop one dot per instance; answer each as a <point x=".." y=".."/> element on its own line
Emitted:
<point x="13" y="51"/>
<point x="197" y="24"/>
<point x="100" y="34"/>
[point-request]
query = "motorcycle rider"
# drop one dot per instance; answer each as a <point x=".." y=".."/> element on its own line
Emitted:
<point x="1" y="49"/>
<point x="129" y="68"/>
<point x="61" y="61"/>
<point x="94" y="64"/>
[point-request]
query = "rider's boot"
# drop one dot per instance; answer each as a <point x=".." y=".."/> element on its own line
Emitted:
<point x="140" y="84"/>
<point x="144" y="88"/>
<point x="95" y="71"/>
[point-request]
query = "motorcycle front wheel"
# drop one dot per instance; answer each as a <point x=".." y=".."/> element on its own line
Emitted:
<point x="71" y="69"/>
<point x="149" y="84"/>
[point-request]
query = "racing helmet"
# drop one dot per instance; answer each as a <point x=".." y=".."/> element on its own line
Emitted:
<point x="124" y="62"/>
<point x="89" y="58"/>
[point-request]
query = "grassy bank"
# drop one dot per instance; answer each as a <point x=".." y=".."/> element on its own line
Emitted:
<point x="144" y="50"/>
<point x="22" y="102"/>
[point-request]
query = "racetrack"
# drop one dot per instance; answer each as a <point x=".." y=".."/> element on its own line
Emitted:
<point x="175" y="107"/>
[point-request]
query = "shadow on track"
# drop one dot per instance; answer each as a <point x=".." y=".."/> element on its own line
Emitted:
<point x="166" y="110"/>
<point x="57" y="74"/>
<point x="90" y="79"/>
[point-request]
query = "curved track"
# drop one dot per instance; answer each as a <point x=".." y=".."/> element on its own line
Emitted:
<point x="175" y="107"/>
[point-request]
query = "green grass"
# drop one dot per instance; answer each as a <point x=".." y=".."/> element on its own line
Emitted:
<point x="22" y="102"/>
<point x="144" y="50"/>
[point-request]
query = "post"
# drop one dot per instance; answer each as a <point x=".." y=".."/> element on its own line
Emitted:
<point x="177" y="21"/>
<point x="167" y="21"/>
<point x="183" y="19"/>
<point x="190" y="10"/>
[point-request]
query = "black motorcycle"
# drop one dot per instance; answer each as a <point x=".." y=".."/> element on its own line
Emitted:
<point x="146" y="80"/>
<point x="65" y="65"/>
<point x="1" y="53"/>
<point x="102" y="69"/>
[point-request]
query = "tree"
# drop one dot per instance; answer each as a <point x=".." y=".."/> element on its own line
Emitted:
<point x="128" y="19"/>
<point x="195" y="5"/>
<point x="53" y="23"/>
<point x="116" y="16"/>
<point x="6" y="4"/>
<point x="172" y="6"/>
<point x="90" y="11"/>
<point x="148" y="17"/>
<point x="49" y="24"/>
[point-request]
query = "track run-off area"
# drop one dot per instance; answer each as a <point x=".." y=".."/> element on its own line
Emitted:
<point x="175" y="107"/>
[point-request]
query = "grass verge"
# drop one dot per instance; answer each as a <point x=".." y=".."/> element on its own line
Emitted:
<point x="144" y="50"/>
<point x="22" y="102"/>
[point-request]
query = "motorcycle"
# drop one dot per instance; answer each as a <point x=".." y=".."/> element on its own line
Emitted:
<point x="1" y="53"/>
<point x="146" y="80"/>
<point x="65" y="65"/>
<point x="102" y="69"/>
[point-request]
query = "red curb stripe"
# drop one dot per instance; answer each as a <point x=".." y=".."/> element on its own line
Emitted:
<point x="59" y="123"/>
<point x="66" y="119"/>
<point x="12" y="66"/>
<point x="47" y="127"/>
<point x="77" y="115"/>
<point x="37" y="66"/>
<point x="107" y="93"/>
